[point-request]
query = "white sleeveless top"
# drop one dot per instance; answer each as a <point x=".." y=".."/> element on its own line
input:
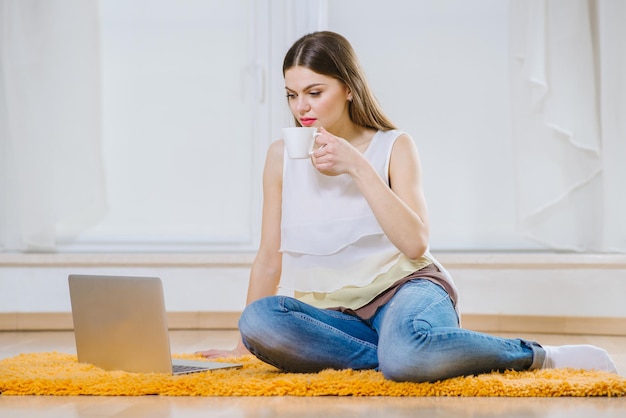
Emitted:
<point x="330" y="238"/>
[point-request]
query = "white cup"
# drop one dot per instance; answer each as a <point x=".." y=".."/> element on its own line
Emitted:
<point x="299" y="141"/>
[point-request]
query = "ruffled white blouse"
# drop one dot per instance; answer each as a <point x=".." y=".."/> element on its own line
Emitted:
<point x="330" y="239"/>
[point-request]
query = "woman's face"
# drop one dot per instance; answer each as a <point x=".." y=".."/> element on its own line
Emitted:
<point x="317" y="100"/>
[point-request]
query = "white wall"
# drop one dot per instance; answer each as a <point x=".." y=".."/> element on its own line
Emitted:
<point x="549" y="285"/>
<point x="440" y="68"/>
<point x="193" y="95"/>
<point x="184" y="122"/>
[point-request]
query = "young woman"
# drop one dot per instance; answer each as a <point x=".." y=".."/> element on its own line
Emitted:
<point x="347" y="233"/>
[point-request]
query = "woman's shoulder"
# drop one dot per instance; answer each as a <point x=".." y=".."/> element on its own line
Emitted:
<point x="276" y="150"/>
<point x="405" y="139"/>
<point x="392" y="134"/>
<point x="404" y="151"/>
<point x="394" y="139"/>
<point x="274" y="159"/>
<point x="400" y="138"/>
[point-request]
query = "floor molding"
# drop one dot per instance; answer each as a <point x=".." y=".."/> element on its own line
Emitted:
<point x="62" y="321"/>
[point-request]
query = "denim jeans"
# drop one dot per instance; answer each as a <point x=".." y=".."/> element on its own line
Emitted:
<point x="414" y="337"/>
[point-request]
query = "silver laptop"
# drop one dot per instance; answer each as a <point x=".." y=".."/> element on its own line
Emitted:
<point x="120" y="323"/>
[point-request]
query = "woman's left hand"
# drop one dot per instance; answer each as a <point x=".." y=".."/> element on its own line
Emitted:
<point x="334" y="155"/>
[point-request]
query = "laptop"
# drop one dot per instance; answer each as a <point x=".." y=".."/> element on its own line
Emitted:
<point x="120" y="323"/>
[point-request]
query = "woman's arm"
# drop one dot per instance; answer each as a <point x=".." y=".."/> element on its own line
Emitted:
<point x="401" y="210"/>
<point x="266" y="268"/>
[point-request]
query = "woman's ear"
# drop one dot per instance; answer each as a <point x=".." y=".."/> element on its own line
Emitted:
<point x="348" y="92"/>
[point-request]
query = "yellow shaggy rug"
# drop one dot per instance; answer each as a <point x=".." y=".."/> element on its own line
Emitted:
<point x="61" y="374"/>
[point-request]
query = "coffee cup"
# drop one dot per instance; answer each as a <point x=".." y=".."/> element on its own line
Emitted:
<point x="299" y="141"/>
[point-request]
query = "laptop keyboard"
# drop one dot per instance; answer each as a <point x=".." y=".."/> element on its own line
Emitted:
<point x="182" y="369"/>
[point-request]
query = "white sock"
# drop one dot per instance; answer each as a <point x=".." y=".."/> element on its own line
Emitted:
<point x="586" y="357"/>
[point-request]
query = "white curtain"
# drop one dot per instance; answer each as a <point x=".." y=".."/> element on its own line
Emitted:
<point x="51" y="171"/>
<point x="305" y="16"/>
<point x="568" y="64"/>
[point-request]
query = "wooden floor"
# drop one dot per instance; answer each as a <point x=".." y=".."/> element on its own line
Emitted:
<point x="13" y="343"/>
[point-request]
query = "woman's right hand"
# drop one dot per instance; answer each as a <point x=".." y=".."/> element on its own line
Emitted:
<point x="335" y="155"/>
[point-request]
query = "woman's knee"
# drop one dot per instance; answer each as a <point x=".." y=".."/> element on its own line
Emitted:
<point x="412" y="372"/>
<point x="258" y="317"/>
<point x="413" y="360"/>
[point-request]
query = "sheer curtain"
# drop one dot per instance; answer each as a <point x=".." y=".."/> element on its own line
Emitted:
<point x="51" y="175"/>
<point x="568" y="63"/>
<point x="305" y="16"/>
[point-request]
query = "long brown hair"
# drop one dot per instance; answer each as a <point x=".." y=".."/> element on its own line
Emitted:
<point x="330" y="54"/>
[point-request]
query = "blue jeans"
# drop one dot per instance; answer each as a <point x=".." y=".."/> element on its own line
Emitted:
<point x="414" y="337"/>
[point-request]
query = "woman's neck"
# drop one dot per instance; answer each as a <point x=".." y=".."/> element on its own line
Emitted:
<point x="355" y="134"/>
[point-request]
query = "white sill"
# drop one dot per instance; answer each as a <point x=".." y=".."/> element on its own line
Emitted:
<point x="451" y="260"/>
